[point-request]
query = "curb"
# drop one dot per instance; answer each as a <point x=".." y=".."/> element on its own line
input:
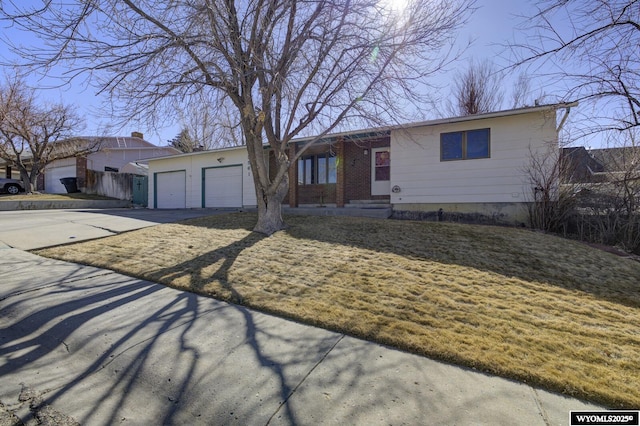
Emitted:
<point x="11" y="205"/>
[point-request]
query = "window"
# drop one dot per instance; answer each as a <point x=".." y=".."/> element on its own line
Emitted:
<point x="467" y="145"/>
<point x="382" y="165"/>
<point x="317" y="169"/>
<point x="110" y="169"/>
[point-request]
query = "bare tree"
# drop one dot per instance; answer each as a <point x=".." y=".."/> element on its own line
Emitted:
<point x="593" y="195"/>
<point x="521" y="92"/>
<point x="612" y="198"/>
<point x="477" y="90"/>
<point x="211" y="125"/>
<point x="290" y="68"/>
<point x="591" y="48"/>
<point x="551" y="200"/>
<point x="34" y="135"/>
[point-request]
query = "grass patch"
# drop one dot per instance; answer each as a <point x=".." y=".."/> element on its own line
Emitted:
<point x="523" y="305"/>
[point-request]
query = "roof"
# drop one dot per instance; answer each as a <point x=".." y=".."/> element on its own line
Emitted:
<point x="617" y="159"/>
<point x="450" y="120"/>
<point x="189" y="154"/>
<point x="387" y="129"/>
<point x="135" y="168"/>
<point x="593" y="165"/>
<point x="110" y="143"/>
<point x="120" y="142"/>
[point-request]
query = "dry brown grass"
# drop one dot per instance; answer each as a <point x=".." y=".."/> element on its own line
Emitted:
<point x="519" y="304"/>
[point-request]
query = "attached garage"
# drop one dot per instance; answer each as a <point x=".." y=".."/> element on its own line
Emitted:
<point x="204" y="179"/>
<point x="222" y="186"/>
<point x="52" y="178"/>
<point x="169" y="188"/>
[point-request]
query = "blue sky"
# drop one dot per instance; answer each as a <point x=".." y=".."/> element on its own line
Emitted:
<point x="491" y="25"/>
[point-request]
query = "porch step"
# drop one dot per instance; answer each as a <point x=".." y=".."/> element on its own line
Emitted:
<point x="381" y="213"/>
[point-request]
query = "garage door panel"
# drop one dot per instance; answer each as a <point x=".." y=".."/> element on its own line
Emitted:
<point x="52" y="178"/>
<point x="170" y="189"/>
<point x="223" y="187"/>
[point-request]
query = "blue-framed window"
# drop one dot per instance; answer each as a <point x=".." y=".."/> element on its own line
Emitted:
<point x="465" y="145"/>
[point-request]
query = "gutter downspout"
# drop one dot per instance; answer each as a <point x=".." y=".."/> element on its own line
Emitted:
<point x="565" y="116"/>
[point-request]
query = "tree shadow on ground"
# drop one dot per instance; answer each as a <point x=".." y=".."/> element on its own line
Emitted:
<point x="499" y="250"/>
<point x="160" y="216"/>
<point x="223" y="258"/>
<point x="56" y="316"/>
<point x="190" y="359"/>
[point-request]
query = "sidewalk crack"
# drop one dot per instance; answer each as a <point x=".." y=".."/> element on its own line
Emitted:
<point x="541" y="409"/>
<point x="293" y="391"/>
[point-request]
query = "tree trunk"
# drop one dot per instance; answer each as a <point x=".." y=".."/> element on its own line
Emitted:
<point x="27" y="181"/>
<point x="270" y="208"/>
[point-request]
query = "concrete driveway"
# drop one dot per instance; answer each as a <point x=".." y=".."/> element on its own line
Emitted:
<point x="83" y="344"/>
<point x="32" y="229"/>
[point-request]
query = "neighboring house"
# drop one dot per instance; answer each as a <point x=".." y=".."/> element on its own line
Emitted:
<point x="464" y="165"/>
<point x="579" y="165"/>
<point x="111" y="155"/>
<point x="603" y="178"/>
<point x="601" y="165"/>
<point x="8" y="171"/>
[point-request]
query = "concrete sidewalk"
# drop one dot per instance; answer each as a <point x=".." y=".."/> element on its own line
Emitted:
<point x="103" y="348"/>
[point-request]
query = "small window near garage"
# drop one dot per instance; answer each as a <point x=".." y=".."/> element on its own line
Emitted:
<point x="110" y="169"/>
<point x="317" y="169"/>
<point x="466" y="145"/>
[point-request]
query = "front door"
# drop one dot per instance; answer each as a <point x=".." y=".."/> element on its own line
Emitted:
<point x="380" y="171"/>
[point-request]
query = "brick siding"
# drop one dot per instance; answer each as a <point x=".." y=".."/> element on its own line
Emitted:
<point x="358" y="169"/>
<point x="353" y="174"/>
<point x="81" y="172"/>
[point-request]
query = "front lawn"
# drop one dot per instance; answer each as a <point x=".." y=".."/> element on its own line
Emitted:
<point x="512" y="302"/>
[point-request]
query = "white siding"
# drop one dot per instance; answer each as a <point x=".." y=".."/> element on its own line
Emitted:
<point x="416" y="167"/>
<point x="194" y="165"/>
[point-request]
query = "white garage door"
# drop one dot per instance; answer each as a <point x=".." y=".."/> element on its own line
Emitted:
<point x="52" y="178"/>
<point x="171" y="190"/>
<point x="223" y="187"/>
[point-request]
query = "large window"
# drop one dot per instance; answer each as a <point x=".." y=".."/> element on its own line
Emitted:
<point x="317" y="169"/>
<point x="467" y="145"/>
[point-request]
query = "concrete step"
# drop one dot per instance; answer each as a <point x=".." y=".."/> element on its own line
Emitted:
<point x="368" y="206"/>
<point x="366" y="202"/>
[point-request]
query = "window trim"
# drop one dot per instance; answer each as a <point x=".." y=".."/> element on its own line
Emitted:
<point x="313" y="160"/>
<point x="464" y="145"/>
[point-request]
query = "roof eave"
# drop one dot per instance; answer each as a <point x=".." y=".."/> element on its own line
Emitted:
<point x="450" y="120"/>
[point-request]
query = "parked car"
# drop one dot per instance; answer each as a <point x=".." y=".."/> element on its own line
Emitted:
<point x="11" y="186"/>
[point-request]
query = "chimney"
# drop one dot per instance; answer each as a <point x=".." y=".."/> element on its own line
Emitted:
<point x="137" y="135"/>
